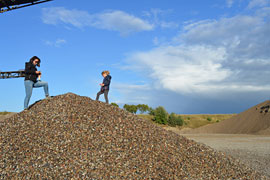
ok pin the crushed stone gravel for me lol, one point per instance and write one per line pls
(74, 137)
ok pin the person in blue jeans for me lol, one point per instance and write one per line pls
(31, 79)
(105, 86)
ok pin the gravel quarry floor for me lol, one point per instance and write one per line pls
(253, 150)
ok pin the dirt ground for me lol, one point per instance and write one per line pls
(252, 150)
(2, 117)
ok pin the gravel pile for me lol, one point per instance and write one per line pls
(255, 120)
(70, 136)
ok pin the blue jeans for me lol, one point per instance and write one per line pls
(29, 85)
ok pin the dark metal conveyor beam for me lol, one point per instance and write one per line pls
(12, 74)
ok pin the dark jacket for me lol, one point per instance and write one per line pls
(106, 82)
(30, 72)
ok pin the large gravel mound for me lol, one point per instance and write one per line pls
(70, 136)
(255, 120)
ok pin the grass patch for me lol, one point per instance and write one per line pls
(4, 113)
(146, 116)
(196, 120)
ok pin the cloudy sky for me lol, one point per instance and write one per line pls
(188, 56)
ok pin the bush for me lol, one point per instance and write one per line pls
(151, 111)
(143, 108)
(161, 115)
(175, 120)
(131, 108)
(209, 119)
(217, 121)
(114, 104)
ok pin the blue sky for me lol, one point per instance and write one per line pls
(188, 56)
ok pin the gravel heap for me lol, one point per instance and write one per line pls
(265, 108)
(255, 120)
(70, 136)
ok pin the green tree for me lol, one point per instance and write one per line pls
(131, 108)
(175, 120)
(114, 104)
(151, 111)
(161, 115)
(143, 108)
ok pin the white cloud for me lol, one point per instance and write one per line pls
(128, 92)
(121, 21)
(258, 3)
(164, 24)
(156, 16)
(56, 43)
(184, 69)
(128, 87)
(109, 20)
(230, 3)
(212, 56)
(58, 15)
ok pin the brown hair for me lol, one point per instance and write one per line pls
(34, 58)
(105, 72)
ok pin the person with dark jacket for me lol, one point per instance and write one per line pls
(31, 79)
(105, 86)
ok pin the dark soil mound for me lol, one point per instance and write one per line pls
(255, 120)
(70, 136)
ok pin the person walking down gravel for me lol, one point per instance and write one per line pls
(105, 86)
(31, 79)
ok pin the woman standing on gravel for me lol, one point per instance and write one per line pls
(105, 86)
(31, 79)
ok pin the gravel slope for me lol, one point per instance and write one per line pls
(255, 120)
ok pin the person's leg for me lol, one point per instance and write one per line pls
(44, 85)
(106, 92)
(28, 91)
(98, 94)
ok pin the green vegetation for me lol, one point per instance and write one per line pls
(131, 108)
(158, 115)
(161, 115)
(195, 120)
(143, 108)
(114, 104)
(4, 113)
(175, 120)
(198, 120)
(151, 111)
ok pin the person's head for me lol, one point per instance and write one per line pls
(105, 73)
(35, 60)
